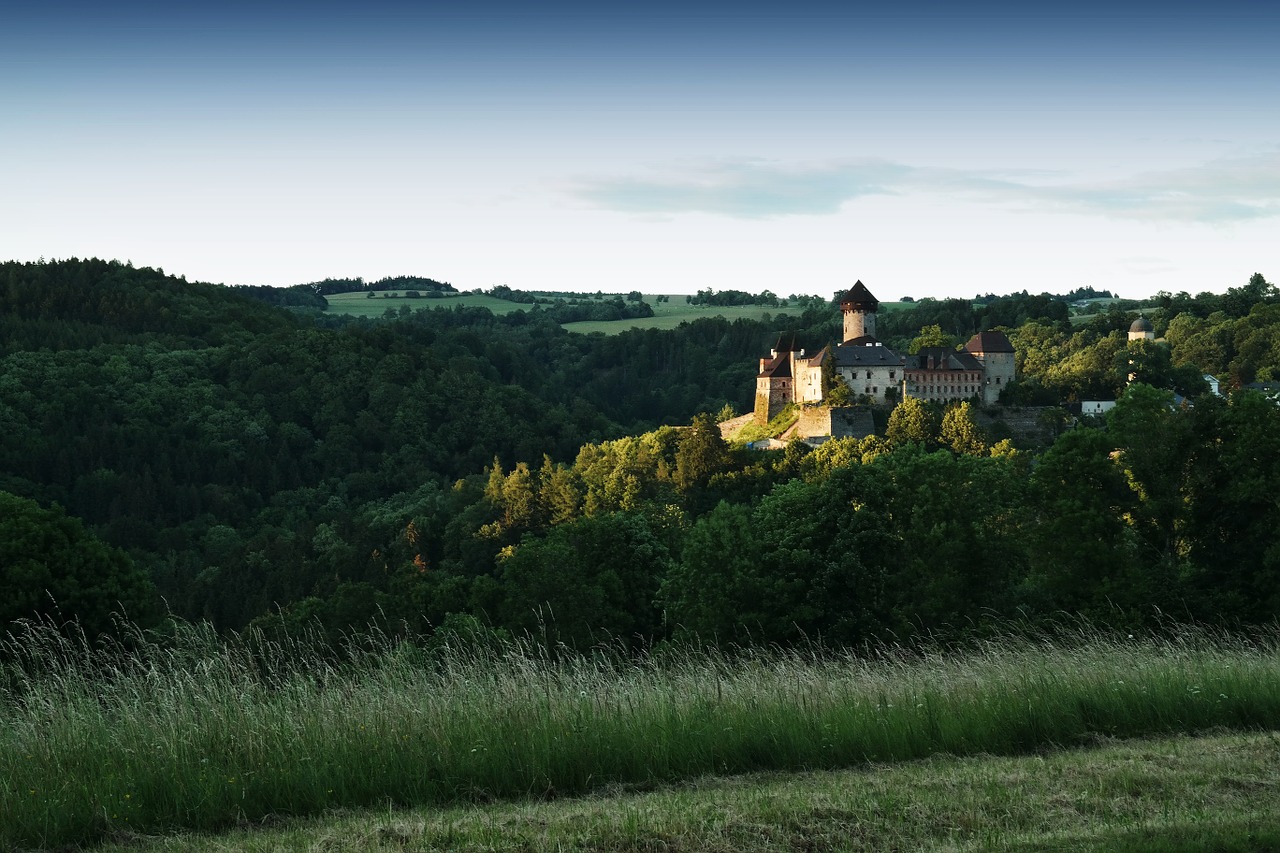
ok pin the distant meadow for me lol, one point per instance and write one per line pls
(668, 314)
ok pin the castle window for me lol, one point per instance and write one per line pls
(868, 374)
(890, 374)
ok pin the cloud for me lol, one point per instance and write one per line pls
(1229, 190)
(1221, 191)
(748, 190)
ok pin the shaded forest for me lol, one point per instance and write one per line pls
(170, 444)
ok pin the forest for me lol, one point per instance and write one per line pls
(173, 447)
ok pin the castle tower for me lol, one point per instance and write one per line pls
(995, 353)
(859, 309)
(775, 383)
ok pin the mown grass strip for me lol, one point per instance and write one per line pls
(1213, 793)
(199, 733)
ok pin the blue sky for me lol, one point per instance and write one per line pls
(928, 149)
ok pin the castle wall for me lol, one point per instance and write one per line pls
(773, 394)
(944, 384)
(814, 421)
(808, 387)
(998, 369)
(1030, 426)
(882, 383)
(824, 421)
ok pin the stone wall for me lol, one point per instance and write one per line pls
(814, 420)
(730, 428)
(844, 422)
(1030, 426)
(852, 422)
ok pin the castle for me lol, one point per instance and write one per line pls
(876, 373)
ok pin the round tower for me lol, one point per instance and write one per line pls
(1142, 330)
(859, 309)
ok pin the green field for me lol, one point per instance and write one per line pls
(667, 315)
(1080, 319)
(360, 305)
(201, 734)
(1212, 793)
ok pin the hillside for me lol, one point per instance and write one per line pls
(287, 469)
(244, 455)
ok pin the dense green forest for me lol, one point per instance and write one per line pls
(170, 444)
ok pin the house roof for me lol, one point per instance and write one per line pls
(942, 359)
(778, 367)
(865, 351)
(989, 341)
(858, 298)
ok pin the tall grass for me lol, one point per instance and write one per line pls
(199, 732)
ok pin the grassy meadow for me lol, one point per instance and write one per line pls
(670, 314)
(1209, 793)
(199, 734)
(359, 305)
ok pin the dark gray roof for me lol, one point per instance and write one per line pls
(943, 359)
(859, 297)
(865, 351)
(1142, 324)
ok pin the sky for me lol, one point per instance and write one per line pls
(927, 149)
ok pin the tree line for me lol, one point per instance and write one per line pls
(331, 286)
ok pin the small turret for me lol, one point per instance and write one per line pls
(1142, 330)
